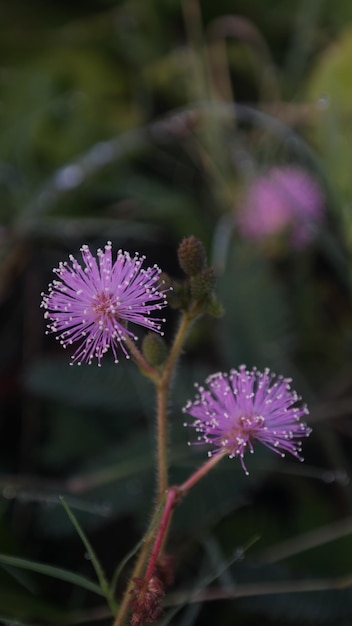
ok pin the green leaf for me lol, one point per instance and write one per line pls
(104, 585)
(54, 572)
(330, 89)
(257, 326)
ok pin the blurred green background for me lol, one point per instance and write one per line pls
(143, 122)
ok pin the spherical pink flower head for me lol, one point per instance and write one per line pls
(283, 200)
(242, 406)
(93, 304)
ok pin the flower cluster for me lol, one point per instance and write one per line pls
(93, 304)
(283, 200)
(247, 405)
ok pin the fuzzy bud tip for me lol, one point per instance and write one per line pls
(191, 256)
(202, 284)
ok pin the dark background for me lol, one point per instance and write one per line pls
(121, 120)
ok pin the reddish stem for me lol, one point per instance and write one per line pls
(172, 497)
(170, 503)
(200, 472)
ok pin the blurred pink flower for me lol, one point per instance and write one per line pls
(284, 200)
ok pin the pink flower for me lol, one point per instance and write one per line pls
(94, 303)
(243, 406)
(285, 199)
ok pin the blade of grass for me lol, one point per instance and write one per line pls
(103, 582)
(50, 570)
(123, 563)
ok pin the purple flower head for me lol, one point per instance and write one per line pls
(284, 200)
(93, 304)
(245, 405)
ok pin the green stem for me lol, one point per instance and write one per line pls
(186, 320)
(145, 367)
(162, 443)
(163, 389)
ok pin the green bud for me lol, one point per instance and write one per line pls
(202, 284)
(192, 256)
(154, 349)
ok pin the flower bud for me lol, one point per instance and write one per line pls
(202, 284)
(154, 349)
(191, 256)
(146, 603)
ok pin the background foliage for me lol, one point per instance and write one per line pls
(134, 121)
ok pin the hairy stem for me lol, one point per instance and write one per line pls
(162, 383)
(200, 472)
(162, 440)
(146, 368)
(173, 496)
(162, 390)
(138, 568)
(171, 500)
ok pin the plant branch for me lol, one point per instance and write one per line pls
(138, 568)
(200, 472)
(146, 368)
(162, 383)
(162, 390)
(171, 501)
